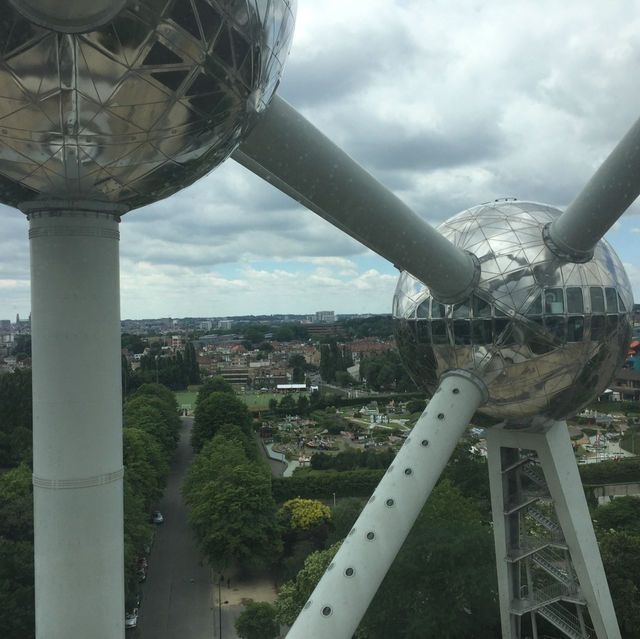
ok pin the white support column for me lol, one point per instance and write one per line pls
(77, 420)
(506, 586)
(550, 439)
(346, 589)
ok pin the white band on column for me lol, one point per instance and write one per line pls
(81, 482)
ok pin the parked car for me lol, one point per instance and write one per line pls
(142, 575)
(131, 619)
(156, 517)
(142, 562)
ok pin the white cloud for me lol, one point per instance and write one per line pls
(448, 104)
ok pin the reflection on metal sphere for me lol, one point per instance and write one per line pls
(140, 107)
(556, 331)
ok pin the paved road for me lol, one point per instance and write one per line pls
(178, 596)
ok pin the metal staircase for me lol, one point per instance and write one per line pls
(537, 553)
(563, 620)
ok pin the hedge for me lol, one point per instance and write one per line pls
(350, 483)
(611, 472)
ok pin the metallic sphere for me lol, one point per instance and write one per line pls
(139, 107)
(545, 335)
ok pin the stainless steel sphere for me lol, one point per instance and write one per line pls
(546, 336)
(136, 108)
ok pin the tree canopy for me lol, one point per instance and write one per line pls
(294, 594)
(218, 408)
(233, 514)
(16, 417)
(257, 621)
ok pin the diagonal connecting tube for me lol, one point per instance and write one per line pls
(607, 195)
(346, 589)
(288, 151)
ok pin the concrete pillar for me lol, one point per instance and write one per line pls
(77, 420)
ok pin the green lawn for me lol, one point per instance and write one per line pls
(251, 399)
(186, 399)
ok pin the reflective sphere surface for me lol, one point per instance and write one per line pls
(140, 107)
(554, 333)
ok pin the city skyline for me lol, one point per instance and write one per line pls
(449, 108)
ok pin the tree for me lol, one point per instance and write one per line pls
(192, 369)
(22, 347)
(215, 410)
(17, 600)
(233, 514)
(302, 514)
(16, 504)
(294, 594)
(343, 516)
(447, 564)
(621, 559)
(151, 415)
(233, 518)
(622, 515)
(217, 384)
(257, 621)
(145, 463)
(133, 343)
(16, 417)
(283, 334)
(287, 405)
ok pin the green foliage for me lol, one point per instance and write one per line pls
(233, 514)
(152, 415)
(22, 347)
(351, 483)
(380, 326)
(216, 409)
(416, 406)
(287, 405)
(16, 418)
(301, 514)
(217, 384)
(334, 358)
(620, 553)
(384, 371)
(343, 516)
(16, 504)
(622, 515)
(175, 371)
(145, 464)
(133, 343)
(138, 533)
(257, 621)
(467, 471)
(17, 605)
(447, 564)
(611, 472)
(352, 459)
(294, 594)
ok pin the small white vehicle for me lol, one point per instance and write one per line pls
(131, 619)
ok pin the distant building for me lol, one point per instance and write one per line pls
(325, 317)
(321, 330)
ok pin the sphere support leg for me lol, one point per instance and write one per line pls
(77, 421)
(547, 558)
(346, 589)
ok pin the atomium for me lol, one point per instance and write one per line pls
(139, 107)
(555, 331)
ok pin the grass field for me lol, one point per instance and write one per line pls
(186, 399)
(255, 400)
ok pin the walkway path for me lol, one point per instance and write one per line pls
(180, 596)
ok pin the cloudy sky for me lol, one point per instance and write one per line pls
(449, 104)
